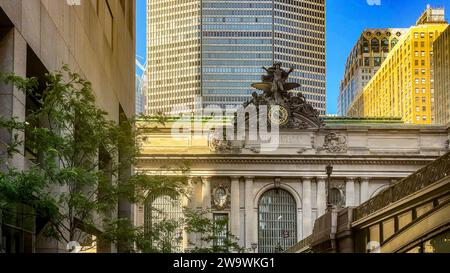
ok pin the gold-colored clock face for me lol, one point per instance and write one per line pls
(278, 115)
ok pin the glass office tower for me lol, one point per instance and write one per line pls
(214, 50)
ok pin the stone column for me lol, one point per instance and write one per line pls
(250, 225)
(206, 202)
(307, 209)
(235, 207)
(350, 192)
(321, 196)
(189, 202)
(185, 203)
(364, 188)
(206, 192)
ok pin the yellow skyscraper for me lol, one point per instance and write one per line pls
(404, 85)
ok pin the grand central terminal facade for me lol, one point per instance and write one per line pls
(272, 198)
(272, 192)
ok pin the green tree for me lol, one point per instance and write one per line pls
(74, 181)
(80, 169)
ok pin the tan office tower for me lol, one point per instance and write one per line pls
(404, 85)
(364, 61)
(442, 77)
(213, 50)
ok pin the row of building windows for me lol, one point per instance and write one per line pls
(301, 7)
(169, 37)
(234, 98)
(240, 27)
(236, 34)
(179, 59)
(230, 77)
(233, 5)
(258, 70)
(308, 64)
(246, 62)
(259, 19)
(299, 10)
(252, 48)
(422, 35)
(228, 91)
(422, 44)
(298, 31)
(300, 46)
(319, 42)
(237, 12)
(300, 53)
(245, 56)
(313, 20)
(299, 24)
(221, 41)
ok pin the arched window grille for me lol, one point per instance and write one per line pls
(277, 228)
(166, 207)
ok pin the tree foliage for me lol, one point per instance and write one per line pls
(77, 157)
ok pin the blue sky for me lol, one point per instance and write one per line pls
(346, 19)
(141, 29)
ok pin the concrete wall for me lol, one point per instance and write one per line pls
(77, 36)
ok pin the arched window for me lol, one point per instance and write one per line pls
(337, 197)
(365, 45)
(393, 43)
(385, 45)
(277, 217)
(375, 43)
(164, 208)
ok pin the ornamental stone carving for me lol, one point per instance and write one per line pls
(334, 143)
(221, 199)
(218, 144)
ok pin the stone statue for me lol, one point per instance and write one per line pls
(280, 76)
(274, 83)
(294, 111)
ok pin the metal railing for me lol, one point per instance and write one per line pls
(430, 174)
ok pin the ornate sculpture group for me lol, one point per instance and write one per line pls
(294, 111)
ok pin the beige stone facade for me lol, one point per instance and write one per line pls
(367, 157)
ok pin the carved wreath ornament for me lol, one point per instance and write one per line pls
(221, 197)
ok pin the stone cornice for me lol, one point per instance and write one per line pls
(267, 159)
